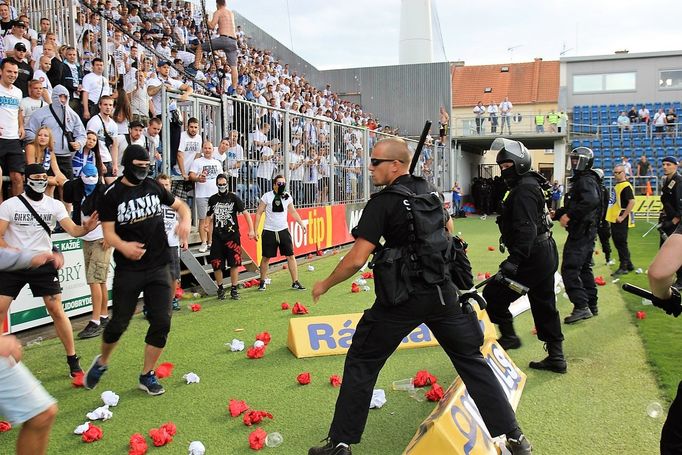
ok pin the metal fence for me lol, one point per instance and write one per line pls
(62, 15)
(324, 162)
(517, 123)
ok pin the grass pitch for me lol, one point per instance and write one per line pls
(599, 407)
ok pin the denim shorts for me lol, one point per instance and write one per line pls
(22, 397)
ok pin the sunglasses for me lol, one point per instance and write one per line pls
(377, 161)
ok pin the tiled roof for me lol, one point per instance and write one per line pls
(524, 83)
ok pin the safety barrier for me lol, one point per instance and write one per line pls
(517, 122)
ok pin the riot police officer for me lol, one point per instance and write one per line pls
(671, 198)
(580, 216)
(404, 301)
(533, 257)
(604, 228)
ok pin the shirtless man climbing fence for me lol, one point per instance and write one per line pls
(226, 42)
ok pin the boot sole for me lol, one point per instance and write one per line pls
(543, 368)
(578, 320)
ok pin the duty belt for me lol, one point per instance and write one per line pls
(542, 237)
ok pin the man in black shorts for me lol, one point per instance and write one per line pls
(226, 42)
(223, 210)
(20, 229)
(133, 223)
(12, 158)
(276, 204)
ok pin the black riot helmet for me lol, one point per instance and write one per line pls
(580, 159)
(514, 152)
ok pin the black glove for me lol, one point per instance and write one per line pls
(465, 298)
(509, 268)
(672, 306)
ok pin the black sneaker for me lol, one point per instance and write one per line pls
(221, 293)
(330, 448)
(620, 271)
(103, 322)
(262, 285)
(150, 384)
(74, 365)
(519, 446)
(594, 309)
(90, 331)
(94, 373)
(234, 294)
(297, 285)
(578, 314)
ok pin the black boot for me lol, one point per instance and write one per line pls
(508, 340)
(555, 361)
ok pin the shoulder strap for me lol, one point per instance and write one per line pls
(59, 122)
(104, 127)
(35, 215)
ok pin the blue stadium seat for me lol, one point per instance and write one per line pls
(597, 163)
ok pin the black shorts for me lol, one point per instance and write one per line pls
(65, 165)
(272, 240)
(43, 281)
(12, 157)
(225, 253)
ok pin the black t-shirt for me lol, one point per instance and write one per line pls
(644, 167)
(225, 209)
(25, 74)
(6, 28)
(626, 195)
(138, 216)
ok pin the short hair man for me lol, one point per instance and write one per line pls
(12, 122)
(203, 173)
(620, 215)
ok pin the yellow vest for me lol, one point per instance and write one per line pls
(614, 209)
(539, 119)
(553, 118)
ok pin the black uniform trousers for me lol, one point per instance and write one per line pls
(671, 435)
(620, 240)
(576, 269)
(604, 233)
(378, 334)
(536, 273)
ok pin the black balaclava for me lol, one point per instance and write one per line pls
(135, 174)
(35, 188)
(509, 176)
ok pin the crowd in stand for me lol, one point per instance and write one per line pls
(96, 117)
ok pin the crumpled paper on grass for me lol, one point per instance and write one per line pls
(435, 393)
(164, 370)
(235, 345)
(191, 378)
(92, 434)
(299, 308)
(303, 378)
(252, 417)
(101, 413)
(110, 398)
(424, 378)
(378, 399)
(196, 448)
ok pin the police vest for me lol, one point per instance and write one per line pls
(539, 119)
(615, 209)
(553, 118)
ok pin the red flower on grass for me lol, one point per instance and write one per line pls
(170, 428)
(285, 306)
(195, 307)
(299, 308)
(354, 288)
(435, 394)
(303, 378)
(138, 445)
(335, 380)
(257, 439)
(93, 433)
(600, 281)
(368, 275)
(255, 352)
(264, 337)
(236, 407)
(160, 436)
(164, 370)
(253, 417)
(424, 378)
(5, 426)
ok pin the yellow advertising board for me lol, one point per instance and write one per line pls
(647, 206)
(317, 336)
(455, 426)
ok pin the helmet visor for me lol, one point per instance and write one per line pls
(513, 147)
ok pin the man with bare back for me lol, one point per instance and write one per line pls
(226, 42)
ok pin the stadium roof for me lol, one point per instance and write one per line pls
(523, 83)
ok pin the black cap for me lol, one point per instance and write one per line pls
(164, 62)
(20, 47)
(18, 23)
(670, 159)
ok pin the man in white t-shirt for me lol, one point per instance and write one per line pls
(11, 126)
(41, 75)
(107, 131)
(20, 229)
(17, 36)
(276, 205)
(505, 115)
(220, 152)
(189, 148)
(33, 101)
(163, 79)
(204, 172)
(95, 86)
(234, 160)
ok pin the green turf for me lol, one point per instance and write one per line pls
(597, 408)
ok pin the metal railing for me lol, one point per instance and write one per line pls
(627, 133)
(324, 162)
(62, 15)
(516, 122)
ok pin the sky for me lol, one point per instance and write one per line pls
(358, 33)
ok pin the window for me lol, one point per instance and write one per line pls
(670, 79)
(488, 90)
(611, 82)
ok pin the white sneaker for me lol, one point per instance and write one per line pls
(203, 248)
(611, 262)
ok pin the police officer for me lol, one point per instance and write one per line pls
(580, 216)
(604, 228)
(397, 310)
(661, 273)
(671, 199)
(533, 257)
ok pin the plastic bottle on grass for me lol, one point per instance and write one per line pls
(654, 410)
(274, 439)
